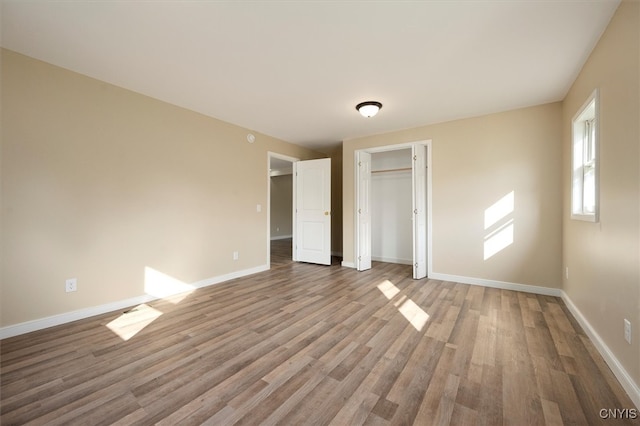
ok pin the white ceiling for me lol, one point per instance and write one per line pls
(296, 69)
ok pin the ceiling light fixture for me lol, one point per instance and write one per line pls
(369, 109)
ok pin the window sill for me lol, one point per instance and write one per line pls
(585, 217)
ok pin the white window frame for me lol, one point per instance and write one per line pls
(585, 153)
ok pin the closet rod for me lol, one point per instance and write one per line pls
(391, 170)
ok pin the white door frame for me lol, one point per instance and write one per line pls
(409, 145)
(419, 205)
(363, 210)
(271, 155)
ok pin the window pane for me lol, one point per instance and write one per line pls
(592, 140)
(589, 141)
(584, 185)
(589, 190)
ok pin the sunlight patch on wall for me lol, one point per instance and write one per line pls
(498, 239)
(164, 286)
(416, 316)
(499, 224)
(133, 321)
(499, 210)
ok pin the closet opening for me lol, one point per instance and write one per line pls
(392, 199)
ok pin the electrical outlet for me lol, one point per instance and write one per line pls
(627, 331)
(71, 285)
(235, 255)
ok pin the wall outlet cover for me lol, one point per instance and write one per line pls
(627, 331)
(71, 285)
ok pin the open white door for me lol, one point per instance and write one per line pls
(419, 211)
(312, 215)
(363, 210)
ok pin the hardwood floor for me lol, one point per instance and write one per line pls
(307, 344)
(281, 252)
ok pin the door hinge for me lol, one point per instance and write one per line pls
(415, 211)
(359, 163)
(415, 158)
(359, 211)
(360, 258)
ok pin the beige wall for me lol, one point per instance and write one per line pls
(281, 206)
(604, 258)
(99, 182)
(476, 162)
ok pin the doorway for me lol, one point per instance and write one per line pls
(280, 210)
(393, 206)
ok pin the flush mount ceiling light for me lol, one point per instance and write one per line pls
(369, 108)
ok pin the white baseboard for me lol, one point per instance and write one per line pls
(627, 382)
(377, 259)
(392, 260)
(281, 237)
(42, 323)
(504, 285)
(52, 321)
(230, 276)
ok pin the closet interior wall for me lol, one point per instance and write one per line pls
(391, 201)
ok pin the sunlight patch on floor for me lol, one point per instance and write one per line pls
(416, 316)
(133, 321)
(388, 289)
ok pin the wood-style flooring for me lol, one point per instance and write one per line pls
(306, 344)
(281, 252)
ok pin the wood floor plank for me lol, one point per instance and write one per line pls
(408, 391)
(565, 396)
(356, 409)
(522, 403)
(308, 344)
(464, 416)
(430, 407)
(317, 384)
(490, 408)
(551, 413)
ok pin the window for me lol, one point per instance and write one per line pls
(584, 150)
